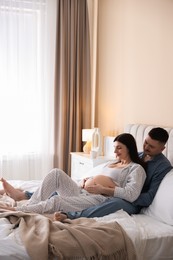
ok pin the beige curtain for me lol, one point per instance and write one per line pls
(93, 25)
(72, 80)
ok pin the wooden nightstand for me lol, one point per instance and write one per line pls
(81, 163)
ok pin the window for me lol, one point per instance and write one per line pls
(26, 83)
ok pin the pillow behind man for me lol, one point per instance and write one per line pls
(162, 205)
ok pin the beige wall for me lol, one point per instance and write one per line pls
(135, 64)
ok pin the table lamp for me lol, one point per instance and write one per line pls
(87, 137)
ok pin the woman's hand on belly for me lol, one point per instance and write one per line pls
(100, 184)
(94, 189)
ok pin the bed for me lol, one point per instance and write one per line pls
(151, 231)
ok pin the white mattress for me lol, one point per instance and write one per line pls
(152, 239)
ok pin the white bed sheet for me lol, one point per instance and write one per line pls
(152, 239)
(157, 237)
(11, 247)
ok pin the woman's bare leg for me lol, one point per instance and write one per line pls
(16, 194)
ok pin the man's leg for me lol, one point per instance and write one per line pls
(109, 206)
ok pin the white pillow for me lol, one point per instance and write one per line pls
(162, 205)
(95, 170)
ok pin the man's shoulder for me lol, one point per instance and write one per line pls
(160, 164)
(161, 158)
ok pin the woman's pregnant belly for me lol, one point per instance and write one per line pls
(102, 180)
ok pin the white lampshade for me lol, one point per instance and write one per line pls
(87, 135)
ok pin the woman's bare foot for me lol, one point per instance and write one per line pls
(15, 194)
(59, 216)
(2, 192)
(7, 208)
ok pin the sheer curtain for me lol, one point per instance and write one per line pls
(26, 88)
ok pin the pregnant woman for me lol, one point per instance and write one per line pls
(123, 178)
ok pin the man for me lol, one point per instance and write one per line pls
(157, 167)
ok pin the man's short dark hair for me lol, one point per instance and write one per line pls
(159, 134)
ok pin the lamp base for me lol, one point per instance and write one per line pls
(87, 147)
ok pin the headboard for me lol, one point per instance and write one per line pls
(140, 131)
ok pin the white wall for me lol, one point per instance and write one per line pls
(135, 64)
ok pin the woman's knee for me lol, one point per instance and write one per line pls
(56, 171)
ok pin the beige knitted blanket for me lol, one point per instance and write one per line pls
(77, 239)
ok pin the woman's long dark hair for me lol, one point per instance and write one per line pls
(129, 141)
